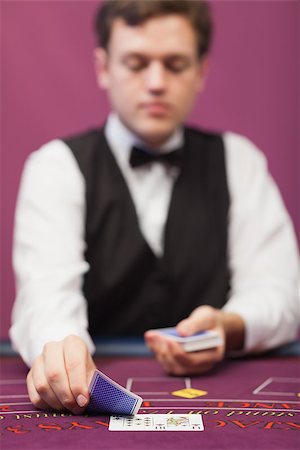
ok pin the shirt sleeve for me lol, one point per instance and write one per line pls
(262, 249)
(48, 252)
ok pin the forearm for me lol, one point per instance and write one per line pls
(33, 327)
(263, 256)
(271, 317)
(48, 253)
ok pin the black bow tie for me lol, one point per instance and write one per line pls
(140, 157)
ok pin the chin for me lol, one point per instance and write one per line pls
(155, 139)
(155, 135)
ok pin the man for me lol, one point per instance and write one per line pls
(110, 243)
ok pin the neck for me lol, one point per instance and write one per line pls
(165, 143)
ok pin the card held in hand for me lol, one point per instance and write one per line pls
(108, 397)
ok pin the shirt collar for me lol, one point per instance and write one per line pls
(121, 139)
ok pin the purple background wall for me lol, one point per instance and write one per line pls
(48, 90)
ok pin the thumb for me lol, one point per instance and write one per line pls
(202, 318)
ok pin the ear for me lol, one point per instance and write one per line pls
(203, 69)
(101, 67)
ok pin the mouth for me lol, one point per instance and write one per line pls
(156, 108)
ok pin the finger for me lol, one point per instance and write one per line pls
(168, 360)
(34, 396)
(159, 346)
(194, 362)
(79, 367)
(200, 359)
(172, 357)
(175, 360)
(57, 377)
(157, 343)
(202, 318)
(42, 386)
(167, 364)
(150, 340)
(154, 340)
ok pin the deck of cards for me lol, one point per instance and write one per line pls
(199, 341)
(108, 397)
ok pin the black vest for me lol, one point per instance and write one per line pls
(128, 288)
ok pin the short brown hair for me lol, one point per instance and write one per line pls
(135, 12)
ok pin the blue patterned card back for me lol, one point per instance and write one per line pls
(107, 396)
(171, 331)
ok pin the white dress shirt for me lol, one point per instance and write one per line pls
(49, 243)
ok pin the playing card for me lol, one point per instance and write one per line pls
(198, 341)
(107, 396)
(157, 422)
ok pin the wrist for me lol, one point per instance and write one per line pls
(234, 329)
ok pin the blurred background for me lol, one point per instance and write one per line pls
(48, 90)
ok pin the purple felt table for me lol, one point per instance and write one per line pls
(250, 404)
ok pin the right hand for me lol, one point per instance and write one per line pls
(60, 376)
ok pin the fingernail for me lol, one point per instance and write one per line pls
(81, 400)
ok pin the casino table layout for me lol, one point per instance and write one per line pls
(249, 403)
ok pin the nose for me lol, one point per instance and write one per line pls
(155, 77)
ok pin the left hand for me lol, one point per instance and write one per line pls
(175, 360)
(60, 376)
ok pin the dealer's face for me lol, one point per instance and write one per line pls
(152, 75)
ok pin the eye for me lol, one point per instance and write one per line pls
(177, 64)
(135, 63)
